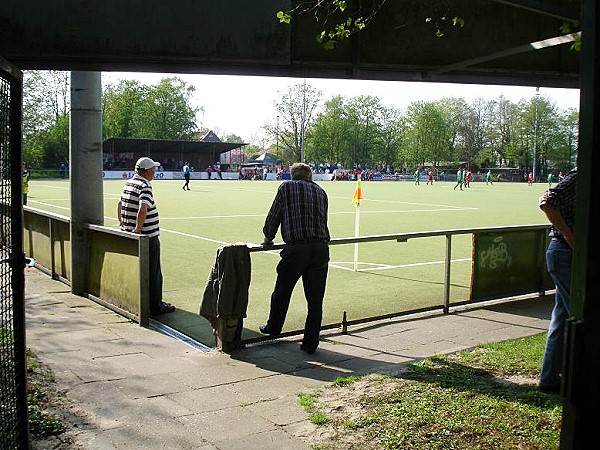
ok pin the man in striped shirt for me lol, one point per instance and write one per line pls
(300, 209)
(137, 213)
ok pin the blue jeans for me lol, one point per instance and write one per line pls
(558, 262)
(311, 262)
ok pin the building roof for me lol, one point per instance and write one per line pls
(150, 147)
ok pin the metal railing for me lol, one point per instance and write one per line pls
(533, 269)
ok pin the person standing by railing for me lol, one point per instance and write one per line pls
(558, 203)
(137, 213)
(300, 208)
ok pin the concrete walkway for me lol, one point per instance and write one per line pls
(137, 388)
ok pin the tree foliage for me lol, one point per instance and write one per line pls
(164, 111)
(355, 131)
(338, 20)
(296, 110)
(129, 109)
(447, 133)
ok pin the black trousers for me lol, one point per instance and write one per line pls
(310, 261)
(156, 277)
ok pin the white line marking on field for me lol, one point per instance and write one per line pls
(404, 211)
(399, 202)
(374, 266)
(232, 216)
(213, 217)
(53, 186)
(336, 265)
(48, 204)
(193, 236)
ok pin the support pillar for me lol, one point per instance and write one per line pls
(85, 156)
(581, 368)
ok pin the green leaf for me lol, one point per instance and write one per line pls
(321, 37)
(283, 17)
(329, 45)
(342, 5)
(458, 21)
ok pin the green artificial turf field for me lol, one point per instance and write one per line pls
(392, 277)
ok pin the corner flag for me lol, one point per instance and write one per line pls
(357, 197)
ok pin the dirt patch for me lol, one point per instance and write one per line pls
(344, 407)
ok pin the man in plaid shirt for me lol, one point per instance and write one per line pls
(300, 209)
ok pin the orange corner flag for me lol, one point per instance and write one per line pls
(357, 197)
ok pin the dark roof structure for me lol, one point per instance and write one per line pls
(207, 151)
(499, 41)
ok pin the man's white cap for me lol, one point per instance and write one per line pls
(144, 163)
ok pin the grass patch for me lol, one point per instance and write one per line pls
(345, 381)
(42, 397)
(479, 399)
(319, 418)
(308, 401)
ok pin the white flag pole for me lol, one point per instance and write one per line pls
(356, 234)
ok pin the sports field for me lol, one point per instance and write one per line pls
(391, 277)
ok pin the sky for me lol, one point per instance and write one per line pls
(242, 105)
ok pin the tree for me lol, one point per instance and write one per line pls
(570, 128)
(551, 139)
(387, 151)
(45, 98)
(459, 132)
(231, 137)
(329, 134)
(121, 108)
(49, 148)
(46, 108)
(296, 109)
(502, 120)
(164, 111)
(427, 136)
(364, 116)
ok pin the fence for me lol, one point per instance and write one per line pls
(117, 272)
(14, 432)
(505, 262)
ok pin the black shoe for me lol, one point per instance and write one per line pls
(264, 329)
(310, 351)
(164, 308)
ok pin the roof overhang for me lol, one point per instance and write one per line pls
(502, 42)
(153, 147)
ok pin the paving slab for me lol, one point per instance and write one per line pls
(138, 388)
